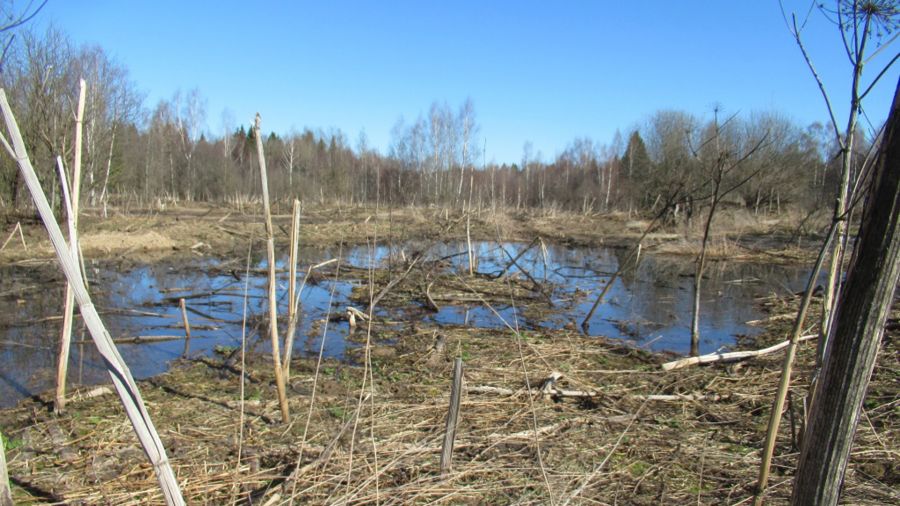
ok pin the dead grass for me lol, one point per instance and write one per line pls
(700, 443)
(151, 234)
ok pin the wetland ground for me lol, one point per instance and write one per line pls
(549, 414)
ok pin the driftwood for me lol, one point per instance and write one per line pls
(429, 300)
(733, 356)
(137, 339)
(90, 394)
(353, 314)
(553, 392)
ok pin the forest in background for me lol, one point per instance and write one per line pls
(141, 155)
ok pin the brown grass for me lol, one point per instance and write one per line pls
(512, 447)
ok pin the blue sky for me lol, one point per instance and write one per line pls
(539, 71)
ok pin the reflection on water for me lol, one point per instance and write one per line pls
(649, 306)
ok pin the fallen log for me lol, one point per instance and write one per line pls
(733, 356)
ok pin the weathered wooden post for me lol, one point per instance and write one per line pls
(452, 417)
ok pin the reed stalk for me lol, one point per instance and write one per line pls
(270, 250)
(292, 292)
(187, 328)
(121, 376)
(72, 219)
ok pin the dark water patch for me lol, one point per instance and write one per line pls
(649, 306)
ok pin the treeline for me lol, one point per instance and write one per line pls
(163, 153)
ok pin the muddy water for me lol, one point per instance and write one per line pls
(649, 307)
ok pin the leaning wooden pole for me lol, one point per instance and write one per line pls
(72, 211)
(118, 370)
(863, 308)
(270, 250)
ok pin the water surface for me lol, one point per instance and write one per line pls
(649, 306)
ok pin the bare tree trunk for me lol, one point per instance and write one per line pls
(104, 193)
(863, 307)
(698, 275)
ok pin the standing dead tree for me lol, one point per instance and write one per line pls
(864, 306)
(721, 164)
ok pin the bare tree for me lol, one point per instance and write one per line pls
(719, 158)
(11, 19)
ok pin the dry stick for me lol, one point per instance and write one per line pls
(785, 382)
(469, 250)
(72, 219)
(537, 284)
(371, 394)
(12, 233)
(733, 356)
(392, 283)
(429, 301)
(138, 339)
(187, 328)
(622, 266)
(292, 324)
(243, 356)
(292, 296)
(270, 250)
(517, 257)
(118, 370)
(452, 417)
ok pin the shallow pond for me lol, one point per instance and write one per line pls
(649, 306)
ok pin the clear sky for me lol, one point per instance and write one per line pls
(539, 71)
